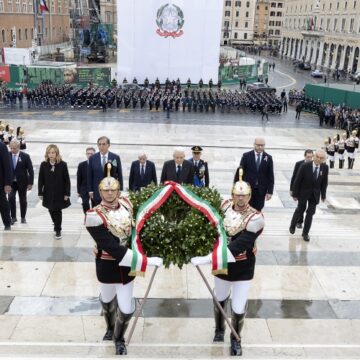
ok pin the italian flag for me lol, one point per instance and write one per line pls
(219, 254)
(43, 6)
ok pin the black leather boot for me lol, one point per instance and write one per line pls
(340, 164)
(237, 321)
(121, 324)
(352, 163)
(349, 163)
(220, 321)
(331, 164)
(109, 313)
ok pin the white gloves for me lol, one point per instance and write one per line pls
(155, 261)
(203, 260)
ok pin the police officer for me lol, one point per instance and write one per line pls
(201, 175)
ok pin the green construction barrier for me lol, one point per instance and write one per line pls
(335, 94)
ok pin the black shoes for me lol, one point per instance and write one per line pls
(58, 235)
(7, 228)
(299, 225)
(23, 220)
(306, 237)
(13, 221)
(292, 229)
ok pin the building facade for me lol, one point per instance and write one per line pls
(268, 25)
(238, 22)
(324, 33)
(21, 25)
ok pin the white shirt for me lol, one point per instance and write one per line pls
(141, 165)
(256, 155)
(102, 156)
(16, 157)
(318, 169)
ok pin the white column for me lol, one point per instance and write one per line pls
(351, 58)
(333, 65)
(321, 54)
(300, 51)
(342, 59)
(308, 52)
(293, 49)
(327, 58)
(313, 59)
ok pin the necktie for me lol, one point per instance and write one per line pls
(316, 172)
(258, 162)
(14, 161)
(103, 161)
(178, 171)
(142, 171)
(196, 163)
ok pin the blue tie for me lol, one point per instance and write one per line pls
(142, 171)
(14, 161)
(257, 162)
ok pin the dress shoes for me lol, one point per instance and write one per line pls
(7, 228)
(292, 229)
(306, 237)
(299, 225)
(23, 220)
(13, 221)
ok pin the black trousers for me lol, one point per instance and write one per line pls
(257, 200)
(310, 206)
(22, 200)
(56, 217)
(86, 202)
(4, 207)
(95, 202)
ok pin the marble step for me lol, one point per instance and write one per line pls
(29, 351)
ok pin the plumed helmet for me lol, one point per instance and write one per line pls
(108, 182)
(354, 133)
(241, 187)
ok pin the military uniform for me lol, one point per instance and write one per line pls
(340, 148)
(201, 174)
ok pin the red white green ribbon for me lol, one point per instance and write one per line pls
(219, 254)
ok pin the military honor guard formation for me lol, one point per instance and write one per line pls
(109, 216)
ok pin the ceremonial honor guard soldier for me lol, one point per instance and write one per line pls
(201, 174)
(243, 225)
(340, 148)
(110, 224)
(352, 143)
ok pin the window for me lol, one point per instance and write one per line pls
(238, 3)
(328, 25)
(245, 36)
(337, 6)
(345, 6)
(246, 24)
(226, 24)
(227, 13)
(24, 6)
(335, 25)
(1, 5)
(351, 28)
(227, 3)
(3, 36)
(108, 17)
(226, 35)
(19, 34)
(248, 4)
(343, 24)
(272, 13)
(30, 7)
(18, 6)
(279, 13)
(280, 5)
(271, 32)
(52, 3)
(330, 6)
(236, 35)
(354, 4)
(247, 14)
(10, 6)
(237, 13)
(26, 34)
(273, 5)
(277, 32)
(236, 24)
(59, 7)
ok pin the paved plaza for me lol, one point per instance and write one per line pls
(305, 298)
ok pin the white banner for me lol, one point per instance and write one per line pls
(168, 39)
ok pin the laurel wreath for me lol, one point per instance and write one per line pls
(176, 232)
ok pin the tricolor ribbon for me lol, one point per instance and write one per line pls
(219, 254)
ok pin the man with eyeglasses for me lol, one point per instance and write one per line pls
(310, 184)
(96, 169)
(259, 173)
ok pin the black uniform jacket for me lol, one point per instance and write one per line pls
(108, 252)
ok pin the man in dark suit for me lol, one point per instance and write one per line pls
(142, 173)
(5, 185)
(310, 183)
(308, 156)
(81, 176)
(201, 176)
(22, 180)
(96, 169)
(259, 173)
(179, 169)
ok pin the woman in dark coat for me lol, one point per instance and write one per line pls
(54, 186)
